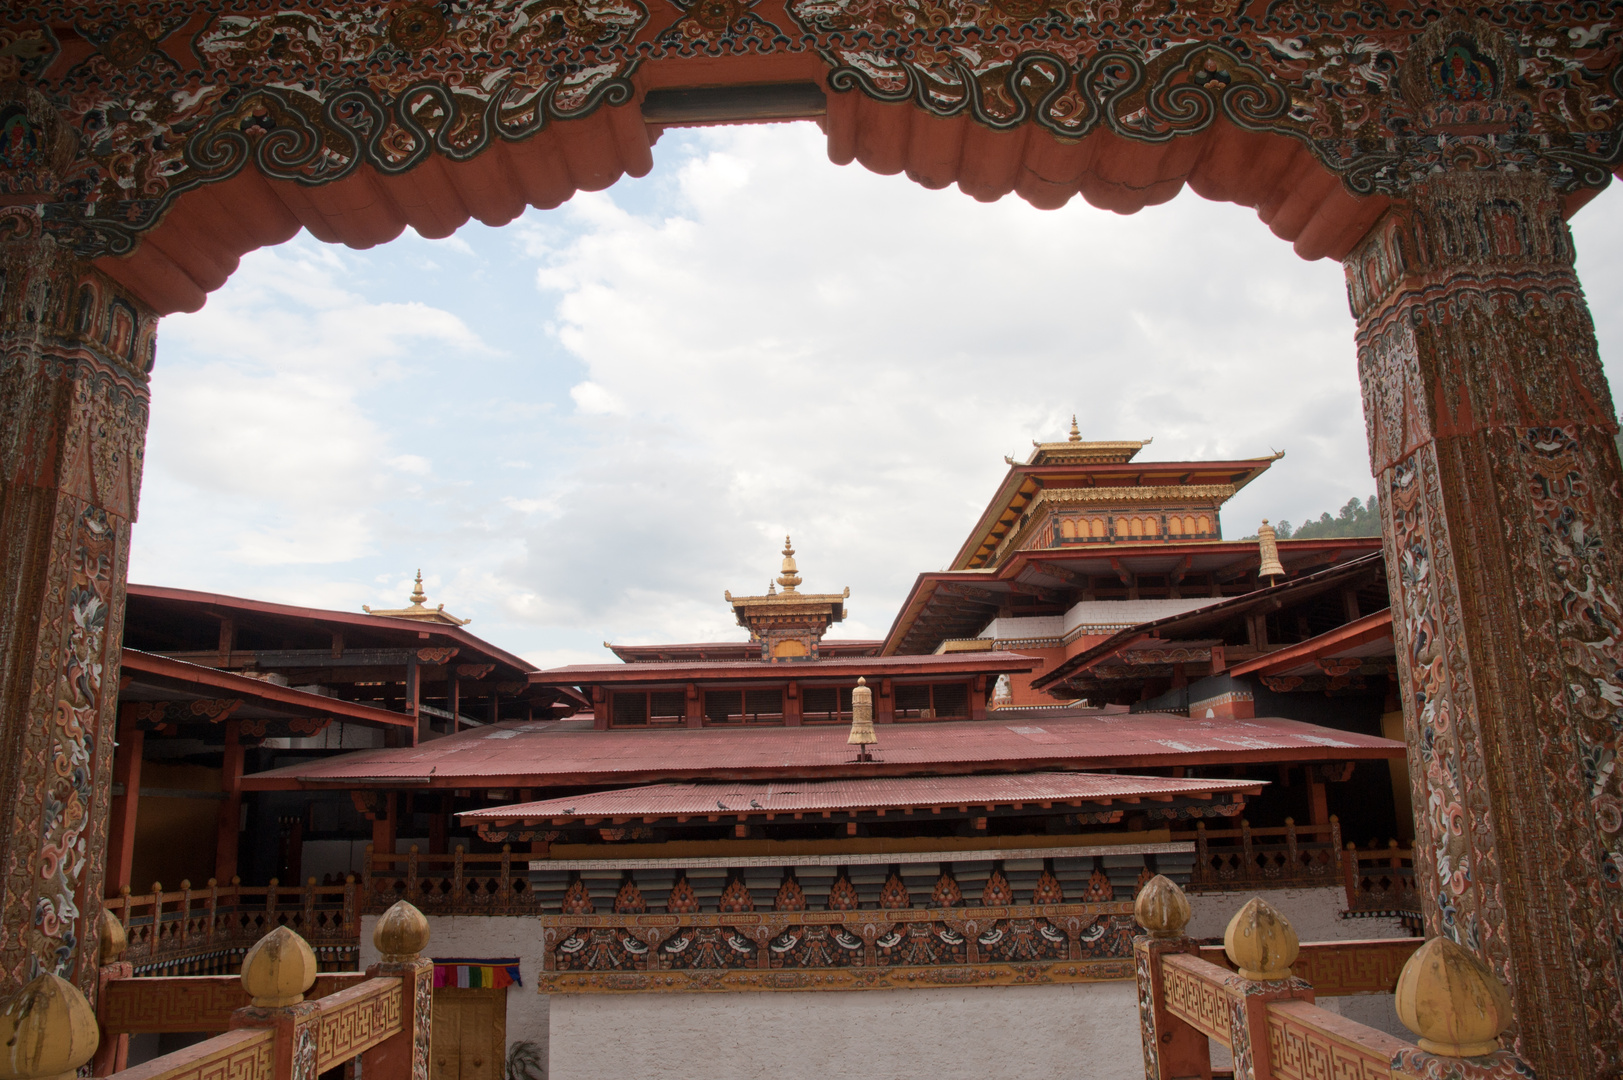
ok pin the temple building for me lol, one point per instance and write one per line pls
(705, 822)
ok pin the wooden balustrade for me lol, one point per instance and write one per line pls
(1265, 1014)
(285, 1021)
(1252, 858)
(1377, 881)
(208, 931)
(1381, 881)
(453, 884)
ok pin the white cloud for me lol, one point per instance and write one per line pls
(591, 398)
(747, 343)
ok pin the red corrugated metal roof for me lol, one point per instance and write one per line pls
(167, 671)
(847, 667)
(794, 796)
(569, 752)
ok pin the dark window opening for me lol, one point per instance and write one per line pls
(825, 704)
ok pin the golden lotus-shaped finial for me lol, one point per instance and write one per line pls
(113, 938)
(1451, 1000)
(1161, 908)
(401, 934)
(47, 1030)
(278, 969)
(1261, 942)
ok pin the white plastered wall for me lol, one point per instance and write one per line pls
(1007, 1033)
(1021, 1033)
(488, 937)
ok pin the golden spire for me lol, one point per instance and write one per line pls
(1268, 550)
(862, 734)
(419, 609)
(1076, 432)
(789, 578)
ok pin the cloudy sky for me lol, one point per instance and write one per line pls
(586, 425)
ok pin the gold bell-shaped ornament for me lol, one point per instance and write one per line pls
(1268, 568)
(862, 735)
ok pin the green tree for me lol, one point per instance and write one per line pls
(1355, 519)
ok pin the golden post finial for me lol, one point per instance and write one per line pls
(401, 934)
(47, 1030)
(862, 734)
(278, 969)
(1261, 942)
(1076, 432)
(113, 938)
(1451, 1000)
(418, 596)
(1161, 908)
(1268, 549)
(790, 577)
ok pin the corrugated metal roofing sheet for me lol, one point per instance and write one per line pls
(830, 667)
(559, 752)
(797, 796)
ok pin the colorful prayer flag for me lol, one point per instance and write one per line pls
(476, 974)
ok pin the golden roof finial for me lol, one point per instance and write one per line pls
(1076, 432)
(862, 734)
(1268, 566)
(418, 608)
(789, 578)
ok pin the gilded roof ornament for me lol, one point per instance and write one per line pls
(419, 609)
(1076, 432)
(790, 576)
(1269, 566)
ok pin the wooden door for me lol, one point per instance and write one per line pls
(469, 1034)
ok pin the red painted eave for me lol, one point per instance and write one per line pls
(1363, 631)
(570, 753)
(843, 667)
(225, 683)
(343, 618)
(741, 800)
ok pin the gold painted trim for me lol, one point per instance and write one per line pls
(1058, 972)
(1147, 495)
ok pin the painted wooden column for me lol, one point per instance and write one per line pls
(125, 804)
(73, 414)
(1491, 438)
(228, 823)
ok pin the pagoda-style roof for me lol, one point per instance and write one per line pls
(1193, 629)
(789, 625)
(419, 611)
(185, 623)
(742, 801)
(1096, 475)
(846, 668)
(560, 753)
(691, 652)
(957, 604)
(176, 696)
(1076, 451)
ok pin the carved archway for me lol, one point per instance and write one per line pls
(1436, 155)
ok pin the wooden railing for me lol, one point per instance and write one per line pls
(1381, 881)
(454, 884)
(278, 1021)
(1262, 1009)
(207, 931)
(1377, 881)
(1247, 858)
